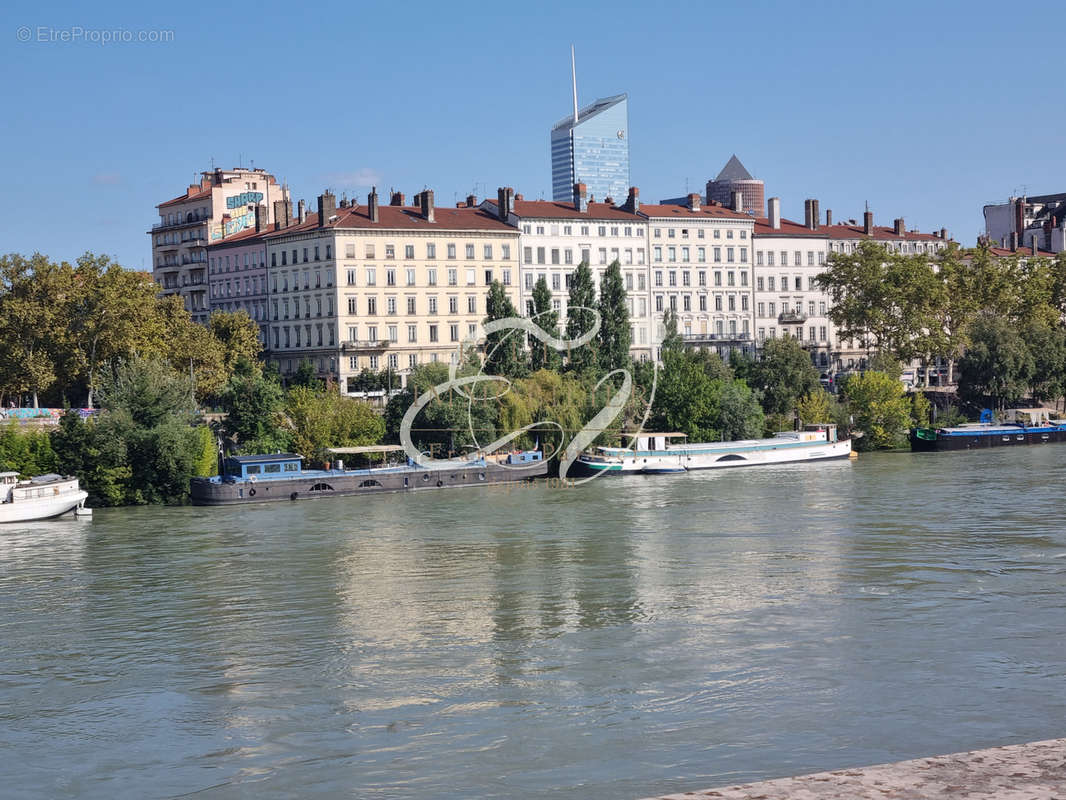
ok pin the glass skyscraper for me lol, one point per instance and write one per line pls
(593, 151)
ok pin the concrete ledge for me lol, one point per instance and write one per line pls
(1033, 771)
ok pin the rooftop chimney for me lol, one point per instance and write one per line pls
(899, 227)
(868, 223)
(425, 201)
(580, 201)
(737, 201)
(504, 202)
(694, 202)
(814, 215)
(774, 209)
(1036, 248)
(471, 201)
(327, 207)
(301, 211)
(943, 233)
(1019, 215)
(260, 218)
(372, 204)
(807, 209)
(828, 217)
(1014, 241)
(633, 200)
(397, 199)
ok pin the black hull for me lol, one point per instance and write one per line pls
(1018, 438)
(344, 484)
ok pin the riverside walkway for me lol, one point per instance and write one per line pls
(1033, 771)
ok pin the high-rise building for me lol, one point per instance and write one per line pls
(592, 147)
(735, 177)
(223, 203)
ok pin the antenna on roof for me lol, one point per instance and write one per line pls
(867, 205)
(573, 76)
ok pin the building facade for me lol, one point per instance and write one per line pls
(554, 237)
(701, 269)
(237, 274)
(1025, 221)
(376, 287)
(221, 204)
(592, 149)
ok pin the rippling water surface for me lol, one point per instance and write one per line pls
(631, 637)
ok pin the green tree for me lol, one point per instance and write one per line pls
(614, 336)
(252, 401)
(997, 368)
(542, 356)
(238, 335)
(100, 460)
(880, 408)
(580, 319)
(505, 352)
(783, 374)
(814, 407)
(740, 415)
(1047, 346)
(672, 341)
(306, 376)
(324, 419)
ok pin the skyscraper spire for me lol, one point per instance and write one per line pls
(573, 76)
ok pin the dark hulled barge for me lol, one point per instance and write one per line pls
(1023, 426)
(263, 478)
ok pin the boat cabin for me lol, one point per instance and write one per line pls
(652, 441)
(1032, 417)
(275, 465)
(8, 481)
(830, 431)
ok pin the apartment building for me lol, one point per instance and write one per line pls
(383, 286)
(223, 203)
(554, 237)
(237, 273)
(701, 269)
(1025, 222)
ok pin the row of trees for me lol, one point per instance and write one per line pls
(64, 326)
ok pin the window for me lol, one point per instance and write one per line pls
(717, 254)
(718, 302)
(431, 276)
(390, 251)
(540, 255)
(371, 306)
(703, 302)
(729, 255)
(488, 277)
(717, 277)
(658, 277)
(507, 277)
(390, 305)
(657, 254)
(412, 333)
(470, 251)
(505, 253)
(390, 277)
(453, 305)
(453, 332)
(488, 252)
(555, 282)
(673, 277)
(471, 304)
(433, 333)
(371, 276)
(453, 277)
(451, 252)
(431, 250)
(433, 305)
(353, 306)
(411, 306)
(555, 255)
(408, 251)
(410, 276)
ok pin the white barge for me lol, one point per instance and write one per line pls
(663, 453)
(42, 497)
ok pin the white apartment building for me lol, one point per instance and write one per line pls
(375, 287)
(1022, 222)
(701, 268)
(554, 237)
(223, 203)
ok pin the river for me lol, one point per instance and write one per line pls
(633, 636)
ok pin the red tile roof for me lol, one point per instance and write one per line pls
(184, 197)
(674, 211)
(879, 232)
(788, 228)
(551, 209)
(1021, 251)
(243, 237)
(404, 218)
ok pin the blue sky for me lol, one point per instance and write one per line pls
(925, 110)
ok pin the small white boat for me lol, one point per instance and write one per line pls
(665, 453)
(42, 497)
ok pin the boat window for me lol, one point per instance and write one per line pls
(731, 457)
(292, 466)
(253, 469)
(272, 468)
(368, 483)
(321, 487)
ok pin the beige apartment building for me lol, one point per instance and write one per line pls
(356, 287)
(222, 204)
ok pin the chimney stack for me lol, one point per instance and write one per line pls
(944, 233)
(372, 204)
(694, 202)
(327, 207)
(504, 202)
(807, 209)
(1019, 216)
(738, 201)
(397, 199)
(868, 223)
(580, 200)
(260, 218)
(774, 208)
(814, 215)
(633, 200)
(828, 217)
(301, 211)
(1036, 248)
(471, 201)
(1014, 241)
(899, 228)
(425, 200)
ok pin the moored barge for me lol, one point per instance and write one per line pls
(263, 478)
(1023, 426)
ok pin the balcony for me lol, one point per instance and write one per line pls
(165, 226)
(791, 318)
(363, 346)
(696, 339)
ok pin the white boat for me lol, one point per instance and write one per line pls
(42, 497)
(662, 453)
